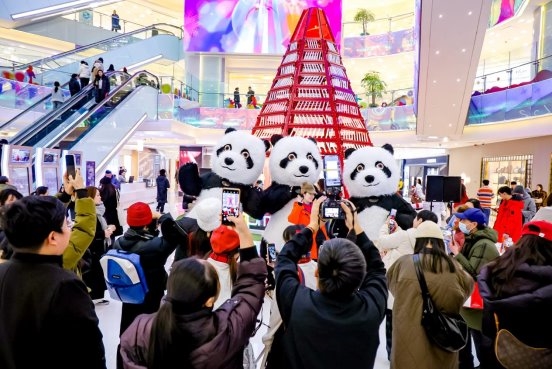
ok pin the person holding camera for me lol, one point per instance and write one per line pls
(301, 214)
(350, 303)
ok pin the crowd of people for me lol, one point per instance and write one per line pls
(332, 291)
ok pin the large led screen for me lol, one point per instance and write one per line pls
(249, 26)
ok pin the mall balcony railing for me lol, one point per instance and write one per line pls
(101, 20)
(520, 92)
(384, 36)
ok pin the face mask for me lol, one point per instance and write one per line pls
(463, 228)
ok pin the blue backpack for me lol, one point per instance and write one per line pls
(124, 276)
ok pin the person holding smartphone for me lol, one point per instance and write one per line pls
(301, 213)
(350, 302)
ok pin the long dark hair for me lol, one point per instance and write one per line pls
(529, 249)
(56, 86)
(434, 254)
(200, 244)
(191, 283)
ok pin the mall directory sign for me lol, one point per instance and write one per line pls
(249, 26)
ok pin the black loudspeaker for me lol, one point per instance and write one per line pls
(434, 188)
(452, 189)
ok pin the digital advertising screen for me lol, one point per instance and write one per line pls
(50, 178)
(20, 155)
(50, 158)
(191, 154)
(249, 26)
(19, 177)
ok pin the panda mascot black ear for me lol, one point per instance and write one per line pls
(267, 145)
(349, 151)
(312, 139)
(389, 148)
(228, 130)
(275, 138)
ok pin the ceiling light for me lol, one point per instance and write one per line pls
(432, 137)
(470, 12)
(445, 139)
(450, 124)
(144, 62)
(463, 50)
(457, 79)
(48, 9)
(437, 52)
(440, 15)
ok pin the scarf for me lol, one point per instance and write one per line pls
(100, 211)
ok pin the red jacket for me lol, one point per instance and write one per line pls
(301, 216)
(509, 219)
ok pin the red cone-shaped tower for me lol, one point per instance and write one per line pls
(311, 95)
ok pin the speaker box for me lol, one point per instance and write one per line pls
(452, 189)
(434, 188)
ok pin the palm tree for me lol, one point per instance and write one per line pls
(364, 16)
(373, 85)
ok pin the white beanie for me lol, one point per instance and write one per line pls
(208, 214)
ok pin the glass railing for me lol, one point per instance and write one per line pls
(74, 130)
(30, 131)
(378, 26)
(97, 19)
(88, 51)
(22, 95)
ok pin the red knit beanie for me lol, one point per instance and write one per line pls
(139, 215)
(224, 240)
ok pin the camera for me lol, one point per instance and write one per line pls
(331, 207)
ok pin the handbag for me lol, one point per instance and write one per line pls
(514, 354)
(447, 330)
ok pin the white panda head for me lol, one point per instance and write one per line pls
(239, 157)
(294, 160)
(370, 171)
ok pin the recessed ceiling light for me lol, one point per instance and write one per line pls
(440, 15)
(434, 81)
(432, 137)
(470, 12)
(463, 50)
(450, 124)
(437, 52)
(453, 105)
(457, 79)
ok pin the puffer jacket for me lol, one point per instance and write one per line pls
(224, 331)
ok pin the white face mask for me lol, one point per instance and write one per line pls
(463, 228)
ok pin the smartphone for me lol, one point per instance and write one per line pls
(70, 166)
(332, 171)
(230, 204)
(271, 248)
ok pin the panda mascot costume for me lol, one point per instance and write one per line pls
(238, 160)
(293, 160)
(371, 175)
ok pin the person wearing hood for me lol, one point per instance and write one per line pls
(529, 206)
(479, 249)
(84, 74)
(517, 291)
(93, 275)
(74, 84)
(187, 331)
(162, 189)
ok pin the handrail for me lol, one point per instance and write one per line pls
(100, 13)
(39, 102)
(92, 111)
(41, 123)
(399, 16)
(94, 44)
(534, 62)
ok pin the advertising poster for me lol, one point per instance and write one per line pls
(90, 173)
(249, 26)
(191, 154)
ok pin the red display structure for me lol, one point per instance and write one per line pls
(311, 95)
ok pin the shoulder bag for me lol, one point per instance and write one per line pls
(448, 331)
(514, 354)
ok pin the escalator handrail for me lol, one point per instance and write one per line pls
(94, 44)
(46, 119)
(54, 140)
(23, 112)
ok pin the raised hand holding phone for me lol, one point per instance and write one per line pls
(230, 204)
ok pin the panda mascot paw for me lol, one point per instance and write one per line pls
(237, 162)
(371, 175)
(189, 179)
(293, 161)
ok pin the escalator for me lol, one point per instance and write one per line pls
(100, 130)
(37, 113)
(149, 43)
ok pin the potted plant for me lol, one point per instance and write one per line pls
(373, 85)
(364, 16)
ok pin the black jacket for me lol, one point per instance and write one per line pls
(47, 319)
(322, 332)
(74, 86)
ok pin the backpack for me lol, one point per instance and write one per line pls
(124, 276)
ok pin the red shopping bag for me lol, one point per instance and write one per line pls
(474, 301)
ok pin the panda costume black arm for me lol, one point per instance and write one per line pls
(276, 196)
(405, 212)
(189, 180)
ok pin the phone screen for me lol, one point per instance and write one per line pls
(70, 165)
(271, 248)
(230, 204)
(332, 171)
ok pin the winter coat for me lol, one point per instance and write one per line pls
(83, 231)
(47, 319)
(224, 331)
(84, 71)
(411, 346)
(523, 307)
(395, 245)
(529, 209)
(154, 252)
(323, 332)
(57, 96)
(509, 219)
(301, 216)
(101, 89)
(478, 250)
(92, 274)
(544, 213)
(162, 186)
(74, 86)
